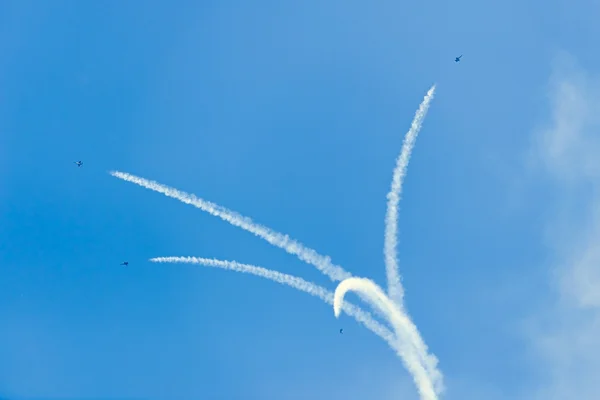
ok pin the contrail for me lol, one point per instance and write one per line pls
(421, 365)
(323, 263)
(309, 256)
(395, 290)
(405, 338)
(404, 348)
(355, 312)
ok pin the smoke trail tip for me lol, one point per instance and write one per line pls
(338, 303)
(167, 259)
(337, 310)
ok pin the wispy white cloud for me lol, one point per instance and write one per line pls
(567, 145)
(566, 336)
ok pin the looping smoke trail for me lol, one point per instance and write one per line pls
(322, 263)
(395, 290)
(422, 366)
(355, 312)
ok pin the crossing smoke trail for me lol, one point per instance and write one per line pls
(406, 341)
(355, 312)
(421, 365)
(322, 263)
(309, 256)
(395, 290)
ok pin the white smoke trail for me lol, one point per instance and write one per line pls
(310, 256)
(322, 263)
(406, 341)
(355, 312)
(404, 348)
(395, 290)
(421, 365)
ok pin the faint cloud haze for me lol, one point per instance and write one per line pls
(569, 144)
(567, 334)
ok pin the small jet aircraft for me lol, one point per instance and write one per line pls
(342, 330)
(457, 59)
(79, 163)
(125, 263)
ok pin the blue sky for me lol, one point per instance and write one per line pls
(293, 113)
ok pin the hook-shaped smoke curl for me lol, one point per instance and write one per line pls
(413, 351)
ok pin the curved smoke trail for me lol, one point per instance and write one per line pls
(395, 290)
(308, 255)
(420, 364)
(407, 341)
(295, 282)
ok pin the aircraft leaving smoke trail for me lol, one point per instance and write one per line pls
(323, 263)
(395, 290)
(422, 366)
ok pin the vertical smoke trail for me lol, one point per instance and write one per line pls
(323, 263)
(420, 364)
(395, 290)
